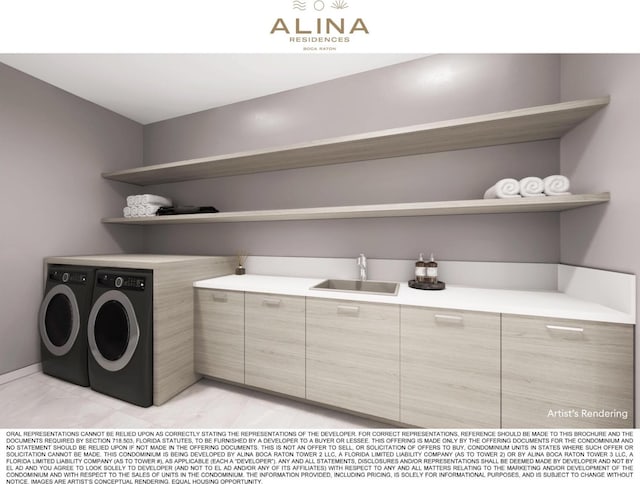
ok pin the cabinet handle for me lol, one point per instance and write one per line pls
(219, 296)
(565, 328)
(349, 310)
(271, 301)
(445, 318)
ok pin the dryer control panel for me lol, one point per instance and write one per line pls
(128, 282)
(68, 276)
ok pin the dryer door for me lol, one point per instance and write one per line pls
(59, 320)
(113, 330)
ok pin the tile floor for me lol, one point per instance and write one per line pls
(40, 401)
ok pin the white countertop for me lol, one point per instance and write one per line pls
(549, 304)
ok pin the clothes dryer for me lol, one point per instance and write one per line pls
(62, 322)
(120, 335)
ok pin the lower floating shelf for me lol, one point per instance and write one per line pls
(455, 207)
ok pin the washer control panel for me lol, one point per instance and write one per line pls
(132, 283)
(68, 276)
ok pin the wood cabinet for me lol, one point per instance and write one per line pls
(353, 355)
(219, 334)
(449, 368)
(275, 343)
(566, 373)
(432, 368)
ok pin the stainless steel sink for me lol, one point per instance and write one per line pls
(369, 287)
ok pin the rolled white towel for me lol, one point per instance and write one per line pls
(131, 200)
(134, 210)
(556, 185)
(532, 186)
(148, 209)
(126, 211)
(155, 199)
(505, 188)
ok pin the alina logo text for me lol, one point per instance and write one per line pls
(320, 25)
(326, 26)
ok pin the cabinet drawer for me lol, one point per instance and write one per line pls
(353, 355)
(219, 334)
(449, 368)
(275, 343)
(561, 373)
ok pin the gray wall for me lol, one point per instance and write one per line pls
(602, 154)
(53, 147)
(429, 89)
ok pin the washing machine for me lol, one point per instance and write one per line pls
(62, 321)
(120, 335)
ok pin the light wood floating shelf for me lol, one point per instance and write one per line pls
(455, 207)
(516, 126)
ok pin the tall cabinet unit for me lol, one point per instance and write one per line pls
(566, 373)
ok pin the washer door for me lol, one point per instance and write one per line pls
(59, 320)
(113, 330)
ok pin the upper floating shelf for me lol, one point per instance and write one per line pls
(455, 207)
(516, 126)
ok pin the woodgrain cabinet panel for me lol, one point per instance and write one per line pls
(275, 343)
(449, 368)
(566, 373)
(219, 334)
(353, 355)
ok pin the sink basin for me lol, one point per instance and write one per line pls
(369, 287)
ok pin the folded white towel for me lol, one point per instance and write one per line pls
(556, 185)
(148, 209)
(532, 186)
(126, 211)
(505, 188)
(155, 199)
(147, 204)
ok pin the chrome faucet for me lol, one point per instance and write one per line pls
(362, 264)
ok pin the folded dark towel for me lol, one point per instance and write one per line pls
(185, 210)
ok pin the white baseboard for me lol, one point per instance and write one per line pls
(20, 373)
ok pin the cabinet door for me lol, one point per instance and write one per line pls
(353, 355)
(449, 368)
(566, 373)
(219, 334)
(275, 343)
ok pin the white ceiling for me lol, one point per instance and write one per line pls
(152, 87)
